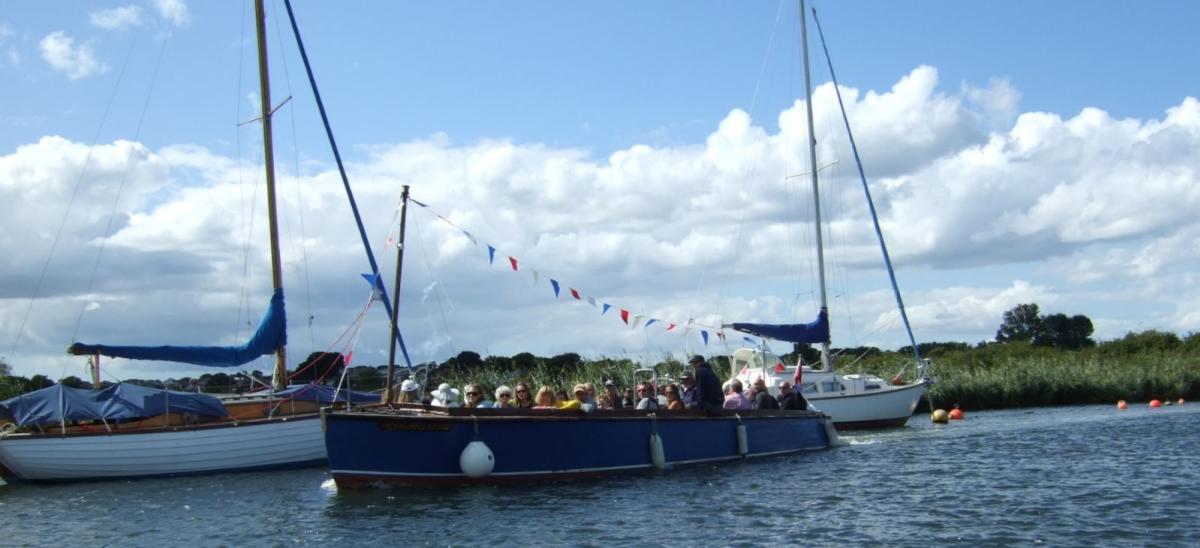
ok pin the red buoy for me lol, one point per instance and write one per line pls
(956, 414)
(1155, 403)
(1122, 405)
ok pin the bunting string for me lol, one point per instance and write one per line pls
(633, 320)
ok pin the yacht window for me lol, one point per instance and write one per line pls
(808, 388)
(832, 386)
(872, 387)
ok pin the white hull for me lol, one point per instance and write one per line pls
(852, 401)
(278, 443)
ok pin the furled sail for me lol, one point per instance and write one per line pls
(271, 334)
(811, 333)
(119, 402)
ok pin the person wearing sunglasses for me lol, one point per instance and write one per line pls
(504, 398)
(474, 397)
(524, 398)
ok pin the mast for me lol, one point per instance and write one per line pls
(391, 371)
(826, 363)
(279, 377)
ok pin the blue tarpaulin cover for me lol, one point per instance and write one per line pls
(324, 394)
(815, 332)
(119, 402)
(271, 334)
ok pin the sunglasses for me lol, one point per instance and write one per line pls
(503, 396)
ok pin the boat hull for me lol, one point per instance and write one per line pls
(889, 407)
(375, 448)
(251, 445)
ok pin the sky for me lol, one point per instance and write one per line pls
(650, 156)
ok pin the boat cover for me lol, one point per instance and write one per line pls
(325, 394)
(119, 402)
(271, 334)
(815, 332)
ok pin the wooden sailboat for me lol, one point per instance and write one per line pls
(853, 401)
(68, 434)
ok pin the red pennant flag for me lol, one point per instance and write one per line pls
(625, 316)
(778, 367)
(799, 373)
(670, 327)
(575, 294)
(513, 260)
(346, 362)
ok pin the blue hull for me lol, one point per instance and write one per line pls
(386, 446)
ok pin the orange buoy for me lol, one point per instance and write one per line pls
(956, 414)
(1155, 403)
(1122, 405)
(940, 417)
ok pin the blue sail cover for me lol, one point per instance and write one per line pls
(811, 333)
(271, 334)
(119, 402)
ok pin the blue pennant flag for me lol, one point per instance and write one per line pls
(554, 284)
(491, 254)
(606, 307)
(650, 321)
(704, 335)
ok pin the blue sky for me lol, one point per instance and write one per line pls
(637, 148)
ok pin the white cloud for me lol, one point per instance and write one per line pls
(117, 18)
(60, 51)
(11, 55)
(174, 11)
(1051, 210)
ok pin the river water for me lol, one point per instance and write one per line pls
(1070, 476)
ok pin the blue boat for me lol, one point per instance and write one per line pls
(406, 444)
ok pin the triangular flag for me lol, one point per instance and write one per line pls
(376, 286)
(704, 335)
(575, 293)
(606, 307)
(346, 361)
(670, 327)
(554, 284)
(491, 254)
(591, 301)
(652, 320)
(513, 261)
(470, 237)
(625, 316)
(778, 367)
(637, 320)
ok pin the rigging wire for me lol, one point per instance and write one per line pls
(121, 185)
(37, 290)
(287, 79)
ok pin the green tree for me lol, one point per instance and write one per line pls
(1022, 323)
(1067, 333)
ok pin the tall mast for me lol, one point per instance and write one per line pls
(826, 363)
(279, 378)
(391, 371)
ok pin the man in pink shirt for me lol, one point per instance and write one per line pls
(735, 399)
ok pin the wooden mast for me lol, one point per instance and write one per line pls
(826, 363)
(388, 391)
(279, 378)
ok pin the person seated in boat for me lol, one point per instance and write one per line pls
(762, 397)
(545, 398)
(524, 397)
(687, 389)
(561, 395)
(629, 402)
(649, 400)
(735, 399)
(445, 396)
(708, 386)
(674, 403)
(612, 396)
(588, 403)
(474, 397)
(504, 397)
(577, 402)
(410, 392)
(791, 399)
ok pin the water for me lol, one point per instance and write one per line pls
(1063, 476)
